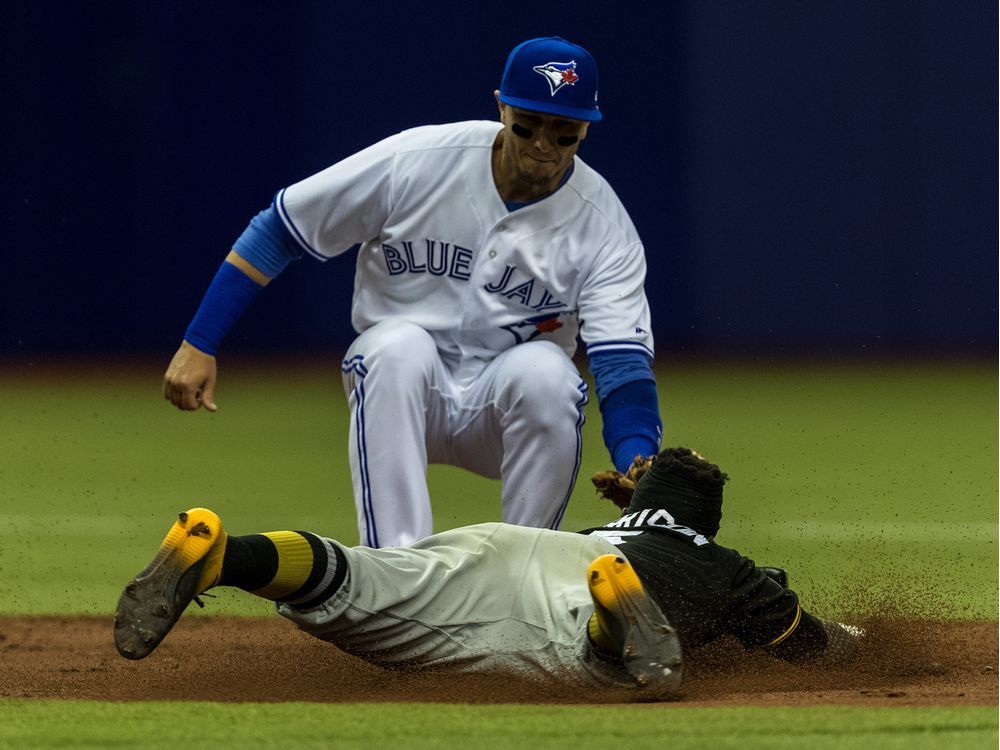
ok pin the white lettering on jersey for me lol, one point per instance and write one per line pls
(523, 291)
(617, 538)
(660, 518)
(438, 259)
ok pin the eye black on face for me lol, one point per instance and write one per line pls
(563, 140)
(521, 131)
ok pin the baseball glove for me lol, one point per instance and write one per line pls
(618, 487)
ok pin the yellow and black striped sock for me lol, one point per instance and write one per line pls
(295, 563)
(295, 567)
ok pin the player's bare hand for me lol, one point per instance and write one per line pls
(189, 382)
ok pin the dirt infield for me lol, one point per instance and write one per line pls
(233, 659)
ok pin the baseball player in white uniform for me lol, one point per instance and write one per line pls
(486, 248)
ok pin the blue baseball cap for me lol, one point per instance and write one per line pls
(551, 75)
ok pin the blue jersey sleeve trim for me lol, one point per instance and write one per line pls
(613, 368)
(267, 244)
(279, 203)
(607, 346)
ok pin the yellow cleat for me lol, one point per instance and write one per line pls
(188, 563)
(636, 628)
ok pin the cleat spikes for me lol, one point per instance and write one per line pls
(646, 642)
(188, 562)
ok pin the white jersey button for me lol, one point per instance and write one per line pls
(493, 253)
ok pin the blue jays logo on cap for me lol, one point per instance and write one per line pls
(558, 74)
(538, 69)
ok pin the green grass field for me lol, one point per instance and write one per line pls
(875, 485)
(438, 727)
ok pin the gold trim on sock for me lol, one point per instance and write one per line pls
(295, 563)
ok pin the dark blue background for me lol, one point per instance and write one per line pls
(808, 177)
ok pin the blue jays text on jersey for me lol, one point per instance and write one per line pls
(438, 258)
(448, 259)
(523, 290)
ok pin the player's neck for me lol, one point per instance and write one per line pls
(511, 187)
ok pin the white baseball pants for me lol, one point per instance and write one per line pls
(517, 417)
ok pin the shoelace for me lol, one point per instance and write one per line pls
(200, 603)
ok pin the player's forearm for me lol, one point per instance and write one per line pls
(262, 252)
(229, 294)
(632, 424)
(626, 390)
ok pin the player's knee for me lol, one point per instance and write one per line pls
(397, 345)
(541, 381)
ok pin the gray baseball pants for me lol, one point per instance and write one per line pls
(491, 598)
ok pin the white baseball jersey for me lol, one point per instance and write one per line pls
(441, 249)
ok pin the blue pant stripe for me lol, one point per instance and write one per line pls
(371, 531)
(580, 419)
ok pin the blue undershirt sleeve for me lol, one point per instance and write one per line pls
(626, 390)
(267, 244)
(269, 247)
(227, 297)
